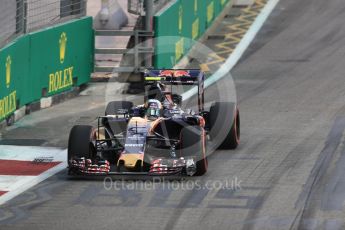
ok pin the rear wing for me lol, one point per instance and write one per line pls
(174, 77)
(178, 77)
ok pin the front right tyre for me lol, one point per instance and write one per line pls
(224, 122)
(193, 143)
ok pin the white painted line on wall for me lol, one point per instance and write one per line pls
(46, 102)
(239, 50)
(19, 114)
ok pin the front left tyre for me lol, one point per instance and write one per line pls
(80, 142)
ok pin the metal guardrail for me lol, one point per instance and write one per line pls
(137, 50)
(138, 6)
(135, 7)
(18, 17)
(136, 59)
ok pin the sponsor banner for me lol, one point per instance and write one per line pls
(45, 63)
(66, 60)
(187, 20)
(14, 68)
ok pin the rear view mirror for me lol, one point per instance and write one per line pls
(177, 99)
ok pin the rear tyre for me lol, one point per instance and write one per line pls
(80, 142)
(113, 107)
(225, 125)
(193, 143)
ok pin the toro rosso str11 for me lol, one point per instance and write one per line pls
(158, 137)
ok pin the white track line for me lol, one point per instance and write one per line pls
(16, 185)
(26, 182)
(29, 153)
(239, 50)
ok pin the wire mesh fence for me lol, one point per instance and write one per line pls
(138, 6)
(11, 13)
(18, 17)
(159, 4)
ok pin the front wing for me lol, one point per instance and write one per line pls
(158, 167)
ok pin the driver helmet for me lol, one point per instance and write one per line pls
(153, 109)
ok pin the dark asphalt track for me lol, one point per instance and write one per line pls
(290, 164)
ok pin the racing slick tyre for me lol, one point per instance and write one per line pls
(224, 122)
(113, 107)
(80, 142)
(193, 143)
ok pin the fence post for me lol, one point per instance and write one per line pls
(148, 27)
(25, 13)
(83, 7)
(19, 16)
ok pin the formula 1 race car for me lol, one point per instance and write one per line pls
(158, 137)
